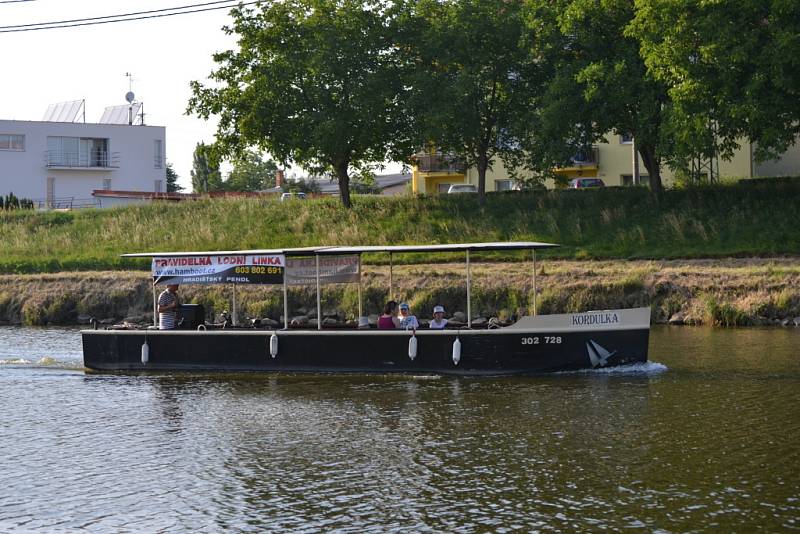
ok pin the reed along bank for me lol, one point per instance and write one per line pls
(722, 292)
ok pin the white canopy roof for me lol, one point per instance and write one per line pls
(394, 249)
(447, 247)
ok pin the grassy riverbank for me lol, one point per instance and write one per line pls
(755, 220)
(728, 292)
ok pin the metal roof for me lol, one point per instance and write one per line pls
(394, 249)
(447, 247)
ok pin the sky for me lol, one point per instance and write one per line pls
(38, 68)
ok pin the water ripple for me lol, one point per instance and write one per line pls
(709, 443)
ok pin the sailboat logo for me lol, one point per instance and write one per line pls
(597, 354)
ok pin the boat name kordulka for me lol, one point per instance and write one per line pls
(595, 318)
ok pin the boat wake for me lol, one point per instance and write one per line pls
(45, 361)
(15, 361)
(647, 368)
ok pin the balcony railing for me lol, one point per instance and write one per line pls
(67, 203)
(81, 160)
(439, 163)
(584, 157)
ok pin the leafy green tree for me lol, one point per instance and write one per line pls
(301, 186)
(172, 180)
(251, 172)
(599, 82)
(205, 172)
(313, 82)
(470, 75)
(732, 68)
(365, 184)
(12, 202)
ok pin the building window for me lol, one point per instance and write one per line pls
(77, 152)
(503, 185)
(627, 179)
(12, 142)
(158, 153)
(106, 184)
(157, 185)
(626, 139)
(442, 188)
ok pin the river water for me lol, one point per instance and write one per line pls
(704, 437)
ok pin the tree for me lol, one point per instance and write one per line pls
(301, 186)
(172, 180)
(313, 82)
(205, 172)
(470, 74)
(251, 172)
(730, 64)
(599, 82)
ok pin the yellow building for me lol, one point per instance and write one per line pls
(434, 172)
(611, 161)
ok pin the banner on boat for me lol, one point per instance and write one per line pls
(332, 270)
(213, 269)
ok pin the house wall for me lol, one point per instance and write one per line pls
(428, 182)
(787, 165)
(25, 172)
(393, 190)
(115, 202)
(615, 159)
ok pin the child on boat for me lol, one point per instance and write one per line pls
(407, 321)
(438, 322)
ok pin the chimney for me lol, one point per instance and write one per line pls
(279, 178)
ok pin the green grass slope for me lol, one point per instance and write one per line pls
(734, 220)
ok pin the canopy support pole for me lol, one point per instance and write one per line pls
(391, 278)
(533, 255)
(469, 295)
(155, 306)
(233, 316)
(319, 298)
(285, 301)
(360, 304)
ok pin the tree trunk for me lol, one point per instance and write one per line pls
(653, 165)
(483, 164)
(344, 184)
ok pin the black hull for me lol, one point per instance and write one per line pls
(487, 352)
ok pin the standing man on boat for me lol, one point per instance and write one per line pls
(168, 308)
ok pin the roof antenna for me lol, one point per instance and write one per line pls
(130, 97)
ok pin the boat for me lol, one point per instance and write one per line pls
(533, 344)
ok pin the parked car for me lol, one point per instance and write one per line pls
(580, 183)
(293, 196)
(462, 188)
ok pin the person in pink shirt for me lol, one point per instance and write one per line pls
(389, 319)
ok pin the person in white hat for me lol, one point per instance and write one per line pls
(438, 322)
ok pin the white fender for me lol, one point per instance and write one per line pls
(412, 347)
(145, 353)
(273, 345)
(456, 351)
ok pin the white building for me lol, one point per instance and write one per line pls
(62, 164)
